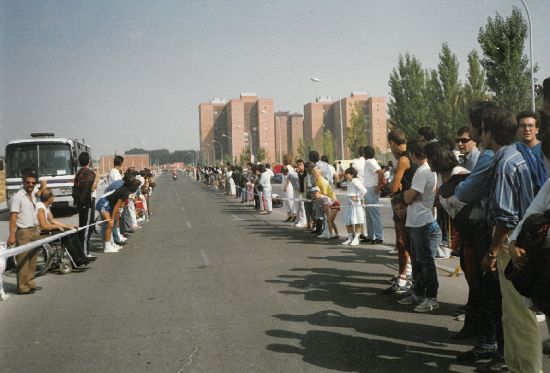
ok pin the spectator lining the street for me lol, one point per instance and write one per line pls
(330, 208)
(354, 213)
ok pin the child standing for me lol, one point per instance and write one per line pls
(355, 215)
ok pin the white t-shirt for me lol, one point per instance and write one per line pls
(113, 176)
(420, 212)
(359, 165)
(371, 177)
(41, 205)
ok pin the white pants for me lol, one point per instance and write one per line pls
(290, 205)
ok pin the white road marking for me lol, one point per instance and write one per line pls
(205, 258)
(235, 217)
(189, 224)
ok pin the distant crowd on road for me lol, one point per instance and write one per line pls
(122, 202)
(485, 193)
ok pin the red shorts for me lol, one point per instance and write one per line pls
(335, 205)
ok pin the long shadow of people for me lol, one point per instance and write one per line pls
(351, 353)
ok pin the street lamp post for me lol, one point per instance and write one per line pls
(530, 56)
(221, 148)
(317, 80)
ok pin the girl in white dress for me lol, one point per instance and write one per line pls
(355, 214)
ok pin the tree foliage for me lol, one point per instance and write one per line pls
(328, 144)
(407, 106)
(357, 131)
(261, 154)
(162, 156)
(475, 88)
(508, 78)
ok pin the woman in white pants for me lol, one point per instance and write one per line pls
(265, 183)
(355, 215)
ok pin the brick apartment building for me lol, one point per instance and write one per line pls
(289, 130)
(324, 114)
(235, 126)
(139, 161)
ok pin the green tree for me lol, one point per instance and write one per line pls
(502, 42)
(261, 154)
(451, 116)
(475, 88)
(328, 144)
(357, 131)
(407, 106)
(433, 96)
(300, 149)
(244, 157)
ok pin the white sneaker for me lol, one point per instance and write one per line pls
(428, 305)
(540, 317)
(122, 238)
(348, 241)
(301, 226)
(392, 251)
(109, 248)
(355, 241)
(118, 247)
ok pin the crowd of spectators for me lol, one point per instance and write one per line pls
(123, 202)
(485, 193)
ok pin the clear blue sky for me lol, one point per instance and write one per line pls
(125, 74)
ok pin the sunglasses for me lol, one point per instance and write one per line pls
(463, 140)
(30, 182)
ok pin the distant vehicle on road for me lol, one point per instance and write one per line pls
(55, 159)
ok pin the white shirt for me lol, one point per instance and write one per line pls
(356, 189)
(371, 177)
(41, 205)
(420, 212)
(113, 176)
(25, 208)
(359, 165)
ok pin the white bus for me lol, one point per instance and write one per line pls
(53, 158)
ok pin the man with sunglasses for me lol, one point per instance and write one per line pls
(469, 153)
(24, 229)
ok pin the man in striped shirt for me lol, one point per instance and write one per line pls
(511, 192)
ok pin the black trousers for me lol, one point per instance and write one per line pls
(85, 217)
(74, 247)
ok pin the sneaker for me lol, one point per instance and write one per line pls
(476, 354)
(412, 298)
(540, 317)
(497, 364)
(396, 289)
(428, 305)
(110, 249)
(393, 251)
(300, 226)
(355, 241)
(348, 241)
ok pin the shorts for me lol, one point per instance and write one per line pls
(103, 205)
(335, 206)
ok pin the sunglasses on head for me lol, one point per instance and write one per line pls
(462, 140)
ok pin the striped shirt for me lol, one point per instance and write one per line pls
(511, 189)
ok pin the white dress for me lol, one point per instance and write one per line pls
(355, 214)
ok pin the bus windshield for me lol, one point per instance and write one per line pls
(20, 157)
(55, 160)
(48, 159)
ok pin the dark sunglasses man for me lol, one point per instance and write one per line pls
(469, 153)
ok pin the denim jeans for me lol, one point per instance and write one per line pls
(375, 229)
(424, 244)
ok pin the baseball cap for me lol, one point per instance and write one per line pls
(315, 189)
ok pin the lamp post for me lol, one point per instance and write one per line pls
(530, 55)
(317, 80)
(221, 148)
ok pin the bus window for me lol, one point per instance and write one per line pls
(55, 160)
(20, 157)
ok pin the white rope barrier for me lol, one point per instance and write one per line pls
(33, 245)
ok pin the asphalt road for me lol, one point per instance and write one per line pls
(210, 286)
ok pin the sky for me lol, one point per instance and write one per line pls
(125, 74)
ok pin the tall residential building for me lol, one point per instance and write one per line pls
(289, 130)
(326, 113)
(241, 124)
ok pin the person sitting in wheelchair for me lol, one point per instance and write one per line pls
(48, 224)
